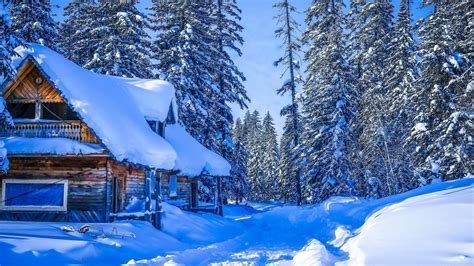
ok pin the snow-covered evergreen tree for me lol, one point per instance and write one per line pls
(290, 171)
(442, 134)
(255, 157)
(374, 27)
(226, 16)
(270, 158)
(121, 43)
(239, 188)
(399, 82)
(328, 104)
(32, 22)
(183, 51)
(78, 31)
(8, 43)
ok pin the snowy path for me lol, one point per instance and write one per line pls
(432, 225)
(433, 228)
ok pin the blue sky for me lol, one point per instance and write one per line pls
(261, 49)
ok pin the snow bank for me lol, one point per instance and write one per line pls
(105, 104)
(432, 229)
(203, 228)
(36, 243)
(432, 225)
(56, 146)
(193, 158)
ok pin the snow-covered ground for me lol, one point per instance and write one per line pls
(430, 225)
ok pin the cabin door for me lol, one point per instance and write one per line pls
(117, 197)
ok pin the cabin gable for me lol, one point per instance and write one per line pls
(39, 110)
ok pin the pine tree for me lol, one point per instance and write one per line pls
(255, 151)
(229, 79)
(8, 43)
(290, 172)
(78, 31)
(239, 187)
(328, 104)
(182, 50)
(374, 23)
(32, 22)
(121, 42)
(399, 82)
(442, 134)
(270, 158)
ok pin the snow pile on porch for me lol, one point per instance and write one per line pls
(427, 226)
(193, 158)
(52, 146)
(106, 106)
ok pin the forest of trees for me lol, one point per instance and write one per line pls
(384, 104)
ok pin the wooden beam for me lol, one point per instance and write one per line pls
(158, 200)
(149, 174)
(218, 196)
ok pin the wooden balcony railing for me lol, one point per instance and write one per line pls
(75, 130)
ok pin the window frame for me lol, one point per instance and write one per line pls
(42, 208)
(173, 194)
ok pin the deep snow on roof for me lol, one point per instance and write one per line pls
(115, 108)
(193, 157)
(106, 106)
(153, 97)
(50, 146)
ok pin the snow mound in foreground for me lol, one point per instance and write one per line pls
(433, 225)
(436, 228)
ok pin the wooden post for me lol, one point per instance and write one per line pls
(107, 192)
(149, 174)
(218, 197)
(158, 208)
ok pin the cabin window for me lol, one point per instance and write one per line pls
(58, 111)
(173, 186)
(157, 127)
(22, 110)
(34, 194)
(161, 129)
(48, 111)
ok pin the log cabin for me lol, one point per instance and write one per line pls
(86, 147)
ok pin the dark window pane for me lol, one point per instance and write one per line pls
(34, 194)
(22, 110)
(58, 111)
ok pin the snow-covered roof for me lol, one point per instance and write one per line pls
(153, 97)
(115, 109)
(105, 105)
(52, 146)
(193, 157)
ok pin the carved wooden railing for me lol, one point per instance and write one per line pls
(75, 130)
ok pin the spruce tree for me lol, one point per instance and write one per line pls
(79, 29)
(182, 51)
(121, 43)
(8, 43)
(228, 78)
(255, 158)
(442, 135)
(239, 187)
(290, 172)
(270, 158)
(328, 104)
(374, 33)
(32, 22)
(399, 81)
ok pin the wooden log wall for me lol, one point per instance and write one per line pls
(86, 186)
